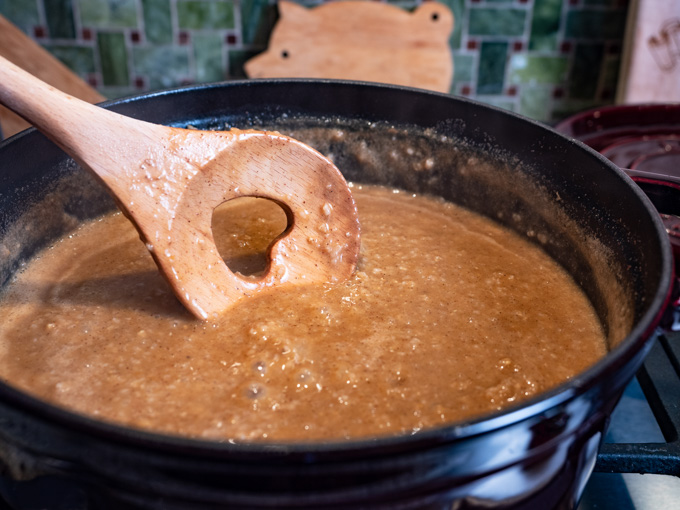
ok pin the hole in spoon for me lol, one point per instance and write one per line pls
(243, 229)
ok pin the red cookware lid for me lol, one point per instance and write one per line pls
(644, 140)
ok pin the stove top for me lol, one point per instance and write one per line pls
(638, 467)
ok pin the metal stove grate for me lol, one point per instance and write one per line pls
(659, 379)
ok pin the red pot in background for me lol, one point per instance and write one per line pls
(644, 141)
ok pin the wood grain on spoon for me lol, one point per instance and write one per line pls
(169, 180)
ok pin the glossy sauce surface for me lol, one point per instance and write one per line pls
(448, 317)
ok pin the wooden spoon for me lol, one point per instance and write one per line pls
(168, 181)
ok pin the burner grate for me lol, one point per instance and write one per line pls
(659, 379)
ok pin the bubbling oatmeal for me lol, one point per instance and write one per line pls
(448, 317)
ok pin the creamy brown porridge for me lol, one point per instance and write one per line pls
(449, 316)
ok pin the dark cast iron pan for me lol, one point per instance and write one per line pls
(581, 208)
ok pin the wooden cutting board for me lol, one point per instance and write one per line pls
(366, 40)
(21, 50)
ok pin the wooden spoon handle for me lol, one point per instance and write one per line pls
(42, 105)
(96, 138)
(169, 180)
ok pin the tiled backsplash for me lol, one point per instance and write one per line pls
(542, 58)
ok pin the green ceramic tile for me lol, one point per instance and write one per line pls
(20, 12)
(586, 70)
(78, 58)
(113, 58)
(108, 13)
(536, 102)
(545, 24)
(257, 20)
(157, 21)
(117, 92)
(59, 15)
(561, 109)
(237, 58)
(199, 14)
(163, 66)
(463, 68)
(491, 64)
(610, 73)
(595, 24)
(526, 68)
(497, 22)
(208, 57)
(491, 74)
(503, 103)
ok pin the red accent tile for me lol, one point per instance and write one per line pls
(231, 39)
(135, 36)
(93, 81)
(39, 32)
(472, 45)
(184, 38)
(140, 82)
(512, 91)
(565, 47)
(86, 34)
(558, 93)
(517, 46)
(466, 90)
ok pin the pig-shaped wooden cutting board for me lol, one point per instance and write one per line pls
(354, 40)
